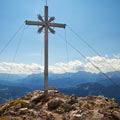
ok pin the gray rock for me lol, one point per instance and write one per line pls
(18, 106)
(23, 110)
(72, 101)
(12, 113)
(116, 115)
(97, 116)
(51, 117)
(74, 96)
(78, 117)
(3, 108)
(37, 98)
(67, 107)
(54, 104)
(66, 117)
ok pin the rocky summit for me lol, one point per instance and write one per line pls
(58, 106)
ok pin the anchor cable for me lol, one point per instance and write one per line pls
(16, 51)
(67, 51)
(10, 40)
(85, 42)
(117, 85)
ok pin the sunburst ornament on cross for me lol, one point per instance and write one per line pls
(46, 24)
(43, 24)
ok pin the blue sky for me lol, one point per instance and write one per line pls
(97, 21)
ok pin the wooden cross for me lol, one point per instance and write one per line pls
(47, 24)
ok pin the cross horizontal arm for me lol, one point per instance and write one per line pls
(34, 23)
(57, 25)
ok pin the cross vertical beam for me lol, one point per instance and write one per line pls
(46, 52)
(45, 23)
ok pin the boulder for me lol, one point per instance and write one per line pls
(97, 116)
(74, 96)
(54, 104)
(72, 101)
(12, 113)
(37, 98)
(3, 108)
(50, 117)
(18, 106)
(23, 110)
(66, 117)
(59, 110)
(67, 107)
(78, 117)
(116, 115)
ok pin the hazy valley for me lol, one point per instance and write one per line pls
(80, 83)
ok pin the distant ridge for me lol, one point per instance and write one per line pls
(36, 81)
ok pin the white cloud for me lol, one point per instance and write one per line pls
(117, 56)
(72, 66)
(20, 68)
(105, 64)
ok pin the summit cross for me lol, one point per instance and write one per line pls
(47, 24)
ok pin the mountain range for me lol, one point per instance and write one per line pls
(66, 80)
(80, 83)
(8, 93)
(94, 89)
